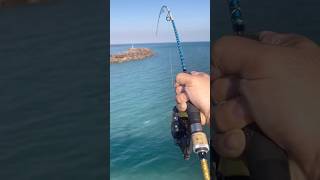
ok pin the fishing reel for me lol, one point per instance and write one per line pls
(181, 133)
(187, 133)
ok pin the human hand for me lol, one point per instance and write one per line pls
(196, 88)
(274, 83)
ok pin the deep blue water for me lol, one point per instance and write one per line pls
(53, 62)
(141, 100)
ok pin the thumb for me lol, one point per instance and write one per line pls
(184, 79)
(234, 55)
(286, 39)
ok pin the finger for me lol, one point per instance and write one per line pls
(296, 172)
(286, 39)
(184, 79)
(215, 73)
(203, 119)
(232, 114)
(179, 89)
(182, 107)
(194, 73)
(238, 55)
(224, 89)
(202, 74)
(230, 144)
(181, 98)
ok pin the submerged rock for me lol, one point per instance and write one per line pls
(131, 55)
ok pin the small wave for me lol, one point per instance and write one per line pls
(146, 122)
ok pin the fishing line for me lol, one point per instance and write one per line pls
(236, 17)
(171, 69)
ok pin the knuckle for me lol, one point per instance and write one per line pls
(217, 46)
(192, 81)
(205, 75)
(178, 76)
(222, 88)
(177, 90)
(177, 97)
(181, 106)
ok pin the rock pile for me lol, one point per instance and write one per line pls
(131, 54)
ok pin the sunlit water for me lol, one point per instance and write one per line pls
(141, 100)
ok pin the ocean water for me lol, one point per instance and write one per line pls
(53, 62)
(53, 108)
(141, 100)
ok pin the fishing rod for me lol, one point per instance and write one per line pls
(186, 128)
(169, 18)
(236, 17)
(265, 160)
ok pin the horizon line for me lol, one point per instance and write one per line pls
(156, 42)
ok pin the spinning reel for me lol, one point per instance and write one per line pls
(181, 133)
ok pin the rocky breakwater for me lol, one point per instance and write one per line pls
(131, 55)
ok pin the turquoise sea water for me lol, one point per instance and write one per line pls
(141, 100)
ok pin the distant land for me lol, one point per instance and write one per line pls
(131, 55)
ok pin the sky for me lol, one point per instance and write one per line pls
(135, 21)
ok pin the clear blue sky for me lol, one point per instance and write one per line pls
(136, 21)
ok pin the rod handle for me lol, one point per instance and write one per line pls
(193, 113)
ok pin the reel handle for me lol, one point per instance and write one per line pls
(265, 160)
